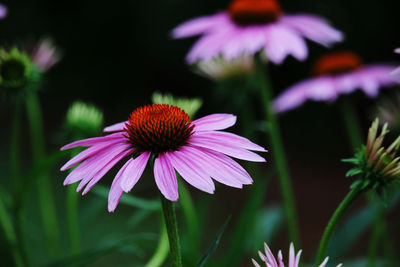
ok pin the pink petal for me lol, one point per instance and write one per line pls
(231, 139)
(225, 148)
(397, 50)
(314, 28)
(102, 172)
(324, 262)
(292, 260)
(281, 41)
(94, 140)
(164, 175)
(88, 153)
(280, 259)
(214, 122)
(116, 191)
(198, 25)
(255, 263)
(116, 127)
(270, 256)
(298, 258)
(318, 89)
(216, 170)
(190, 171)
(92, 165)
(134, 171)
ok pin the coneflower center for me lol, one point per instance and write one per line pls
(254, 12)
(159, 128)
(337, 63)
(12, 72)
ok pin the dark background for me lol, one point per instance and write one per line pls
(117, 53)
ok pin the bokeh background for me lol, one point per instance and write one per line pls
(117, 53)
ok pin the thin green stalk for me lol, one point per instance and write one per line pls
(352, 124)
(73, 220)
(9, 233)
(344, 205)
(46, 199)
(279, 156)
(376, 237)
(172, 230)
(161, 252)
(14, 149)
(192, 222)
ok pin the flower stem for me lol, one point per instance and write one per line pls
(376, 236)
(172, 230)
(46, 199)
(279, 156)
(344, 205)
(73, 220)
(6, 224)
(352, 124)
(161, 252)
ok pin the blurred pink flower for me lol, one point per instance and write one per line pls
(3, 11)
(249, 26)
(337, 73)
(396, 72)
(294, 260)
(195, 149)
(46, 55)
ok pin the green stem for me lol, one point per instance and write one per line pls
(14, 149)
(352, 124)
(192, 222)
(172, 230)
(73, 219)
(161, 252)
(376, 236)
(46, 199)
(9, 233)
(344, 205)
(279, 156)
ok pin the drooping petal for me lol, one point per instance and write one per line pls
(164, 175)
(134, 171)
(213, 168)
(116, 127)
(102, 172)
(225, 148)
(198, 25)
(214, 122)
(190, 172)
(371, 78)
(281, 41)
(232, 139)
(88, 153)
(116, 191)
(318, 89)
(314, 28)
(94, 140)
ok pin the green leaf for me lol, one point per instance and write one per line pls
(128, 199)
(214, 245)
(352, 160)
(353, 172)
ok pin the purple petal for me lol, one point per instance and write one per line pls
(116, 191)
(270, 256)
(225, 148)
(397, 50)
(134, 171)
(298, 257)
(116, 127)
(281, 41)
(231, 139)
(92, 165)
(280, 259)
(255, 263)
(324, 262)
(102, 172)
(94, 140)
(219, 171)
(292, 260)
(88, 153)
(3, 11)
(164, 175)
(198, 25)
(214, 122)
(318, 89)
(314, 28)
(190, 171)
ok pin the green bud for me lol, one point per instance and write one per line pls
(83, 119)
(189, 105)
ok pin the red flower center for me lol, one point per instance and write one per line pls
(337, 63)
(159, 128)
(253, 12)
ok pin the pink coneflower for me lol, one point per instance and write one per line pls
(195, 149)
(46, 55)
(335, 74)
(249, 26)
(294, 260)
